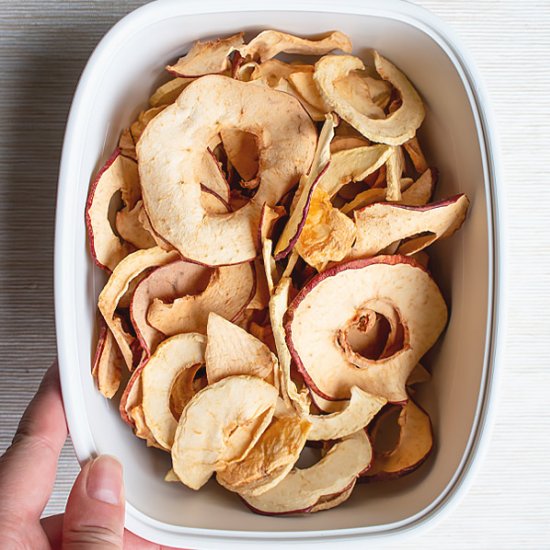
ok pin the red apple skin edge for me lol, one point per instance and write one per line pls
(353, 264)
(386, 476)
(126, 393)
(91, 193)
(294, 512)
(294, 239)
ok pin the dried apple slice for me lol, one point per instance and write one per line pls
(210, 57)
(301, 490)
(168, 92)
(273, 71)
(414, 445)
(130, 227)
(394, 170)
(361, 409)
(117, 174)
(221, 425)
(380, 224)
(229, 291)
(170, 152)
(143, 119)
(420, 192)
(166, 283)
(173, 356)
(343, 143)
(397, 128)
(299, 400)
(119, 281)
(314, 320)
(332, 501)
(231, 350)
(304, 84)
(412, 146)
(270, 460)
(300, 208)
(354, 89)
(108, 361)
(270, 43)
(327, 234)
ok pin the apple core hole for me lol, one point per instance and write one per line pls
(183, 388)
(368, 341)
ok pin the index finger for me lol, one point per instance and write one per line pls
(28, 467)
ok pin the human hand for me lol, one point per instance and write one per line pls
(94, 517)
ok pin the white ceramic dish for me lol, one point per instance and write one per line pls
(458, 136)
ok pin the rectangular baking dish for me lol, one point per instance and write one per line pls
(459, 138)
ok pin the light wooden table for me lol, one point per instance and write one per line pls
(43, 48)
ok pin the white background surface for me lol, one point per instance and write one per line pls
(44, 46)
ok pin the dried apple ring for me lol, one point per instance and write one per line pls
(170, 151)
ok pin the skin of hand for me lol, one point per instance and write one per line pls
(94, 517)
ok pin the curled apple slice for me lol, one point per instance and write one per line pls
(117, 175)
(220, 425)
(270, 460)
(301, 490)
(413, 447)
(361, 409)
(130, 227)
(355, 89)
(381, 224)
(420, 192)
(170, 152)
(270, 43)
(168, 92)
(304, 84)
(273, 71)
(229, 291)
(398, 127)
(299, 400)
(231, 350)
(210, 57)
(181, 354)
(125, 272)
(108, 361)
(314, 320)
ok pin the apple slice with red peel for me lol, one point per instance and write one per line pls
(298, 400)
(314, 320)
(106, 248)
(420, 192)
(132, 394)
(398, 127)
(170, 155)
(232, 350)
(361, 409)
(229, 291)
(213, 181)
(270, 460)
(332, 501)
(210, 57)
(168, 92)
(130, 228)
(181, 353)
(219, 426)
(381, 224)
(300, 208)
(108, 361)
(270, 43)
(413, 447)
(301, 490)
(115, 288)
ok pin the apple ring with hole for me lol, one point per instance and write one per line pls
(314, 320)
(170, 154)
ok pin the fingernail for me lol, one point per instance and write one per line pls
(104, 481)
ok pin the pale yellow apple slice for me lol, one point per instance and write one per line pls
(420, 192)
(170, 153)
(168, 92)
(354, 89)
(108, 362)
(220, 425)
(270, 43)
(394, 170)
(181, 353)
(130, 227)
(398, 127)
(304, 84)
(119, 281)
(232, 350)
(144, 118)
(412, 146)
(270, 460)
(361, 409)
(273, 71)
(210, 57)
(301, 490)
(314, 320)
(332, 501)
(379, 225)
(229, 291)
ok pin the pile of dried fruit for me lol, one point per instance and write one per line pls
(241, 352)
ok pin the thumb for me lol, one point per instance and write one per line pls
(95, 510)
